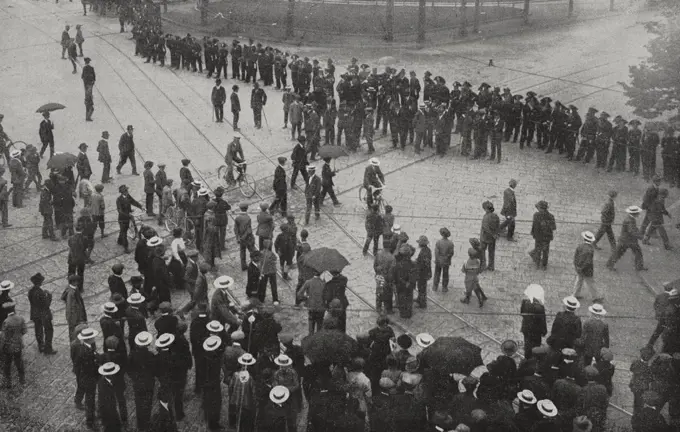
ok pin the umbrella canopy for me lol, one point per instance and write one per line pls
(329, 346)
(61, 160)
(52, 106)
(326, 259)
(332, 151)
(448, 355)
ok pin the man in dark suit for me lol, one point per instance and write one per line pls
(46, 135)
(41, 315)
(77, 253)
(280, 188)
(567, 326)
(124, 205)
(488, 235)
(258, 99)
(327, 174)
(83, 164)
(649, 418)
(648, 199)
(235, 106)
(300, 162)
(110, 327)
(89, 77)
(218, 97)
(135, 318)
(542, 229)
(607, 216)
(594, 400)
(167, 322)
(126, 146)
(84, 356)
(142, 368)
(313, 194)
(197, 334)
(221, 220)
(106, 386)
(629, 239)
(11, 346)
(149, 187)
(509, 210)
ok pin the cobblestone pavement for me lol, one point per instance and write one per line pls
(171, 114)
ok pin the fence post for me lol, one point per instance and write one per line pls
(478, 11)
(571, 8)
(421, 21)
(463, 18)
(526, 12)
(389, 21)
(290, 19)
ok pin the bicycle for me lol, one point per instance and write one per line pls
(174, 219)
(244, 181)
(12, 144)
(377, 197)
(133, 232)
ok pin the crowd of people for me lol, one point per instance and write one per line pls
(384, 384)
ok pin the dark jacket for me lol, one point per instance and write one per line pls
(509, 203)
(218, 96)
(423, 263)
(608, 212)
(235, 103)
(40, 301)
(649, 420)
(117, 286)
(566, 328)
(543, 226)
(533, 318)
(327, 175)
(313, 189)
(373, 223)
(490, 228)
(630, 234)
(583, 259)
(126, 144)
(45, 131)
(280, 184)
(88, 75)
(650, 196)
(299, 157)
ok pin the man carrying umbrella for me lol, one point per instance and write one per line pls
(46, 135)
(126, 146)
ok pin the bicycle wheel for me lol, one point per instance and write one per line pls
(170, 222)
(362, 195)
(19, 145)
(222, 173)
(189, 233)
(247, 186)
(132, 230)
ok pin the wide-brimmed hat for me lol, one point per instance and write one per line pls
(527, 397)
(37, 279)
(404, 342)
(424, 340)
(547, 408)
(203, 192)
(165, 340)
(6, 285)
(588, 236)
(571, 302)
(509, 347)
(135, 298)
(15, 153)
(279, 394)
(154, 241)
(87, 333)
(143, 339)
(109, 308)
(633, 210)
(212, 343)
(246, 359)
(109, 368)
(223, 282)
(597, 309)
(283, 360)
(396, 228)
(374, 161)
(214, 326)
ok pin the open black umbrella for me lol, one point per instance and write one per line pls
(62, 160)
(448, 355)
(329, 346)
(52, 106)
(326, 259)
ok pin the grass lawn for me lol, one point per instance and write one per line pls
(317, 19)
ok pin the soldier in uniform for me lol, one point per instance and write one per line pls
(514, 118)
(586, 149)
(209, 53)
(343, 121)
(544, 117)
(619, 149)
(368, 129)
(221, 220)
(669, 152)
(221, 59)
(236, 56)
(466, 132)
(634, 144)
(650, 141)
(528, 120)
(419, 126)
(573, 125)
(258, 99)
(604, 134)
(557, 128)
(496, 137)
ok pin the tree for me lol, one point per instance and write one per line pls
(389, 21)
(654, 88)
(421, 21)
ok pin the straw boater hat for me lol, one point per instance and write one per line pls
(135, 298)
(15, 153)
(214, 326)
(87, 333)
(588, 236)
(212, 343)
(223, 282)
(597, 309)
(571, 302)
(154, 241)
(202, 192)
(143, 339)
(547, 408)
(6, 285)
(633, 210)
(527, 397)
(109, 368)
(165, 340)
(246, 359)
(283, 360)
(279, 394)
(109, 308)
(396, 228)
(424, 340)
(374, 161)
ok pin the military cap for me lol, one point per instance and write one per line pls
(456, 84)
(518, 97)
(546, 99)
(573, 107)
(531, 94)
(483, 86)
(634, 122)
(604, 114)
